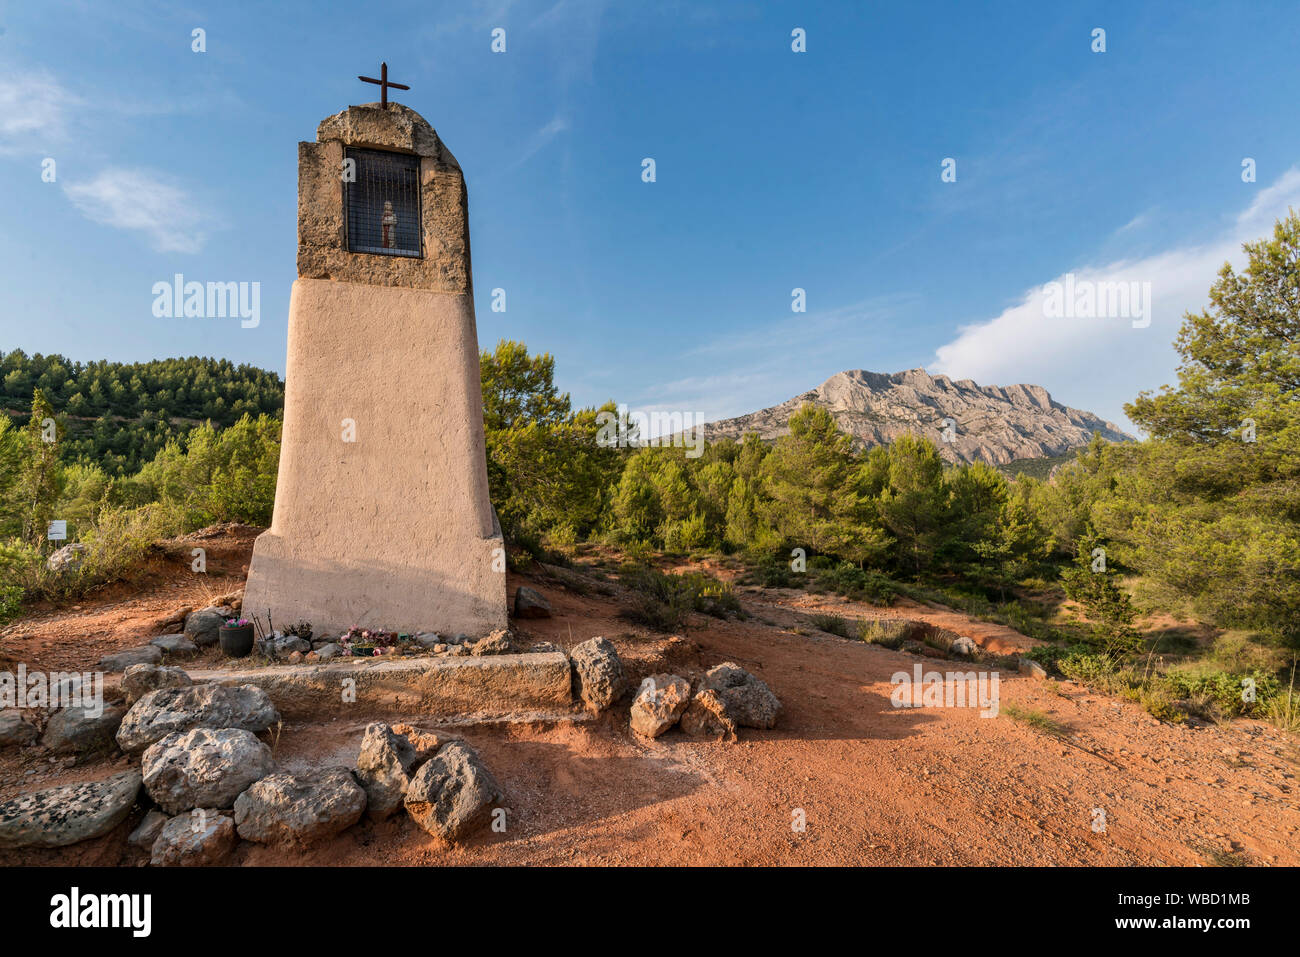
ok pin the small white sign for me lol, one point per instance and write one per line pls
(57, 531)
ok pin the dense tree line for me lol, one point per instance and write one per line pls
(1205, 513)
(118, 416)
(897, 508)
(208, 475)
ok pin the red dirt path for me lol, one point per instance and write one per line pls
(878, 785)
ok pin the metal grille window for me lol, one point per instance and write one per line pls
(383, 204)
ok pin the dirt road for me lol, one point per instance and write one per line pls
(875, 784)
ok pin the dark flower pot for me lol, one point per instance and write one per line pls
(236, 641)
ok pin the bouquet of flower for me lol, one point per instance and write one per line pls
(366, 641)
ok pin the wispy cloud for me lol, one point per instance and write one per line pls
(141, 200)
(474, 15)
(36, 114)
(822, 332)
(34, 110)
(1137, 222)
(760, 363)
(574, 27)
(1100, 364)
(722, 395)
(540, 139)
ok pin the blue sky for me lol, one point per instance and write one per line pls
(775, 170)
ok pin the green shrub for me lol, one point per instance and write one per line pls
(637, 553)
(1205, 693)
(1160, 702)
(857, 583)
(1098, 672)
(20, 564)
(1223, 689)
(775, 573)
(1284, 711)
(712, 596)
(1050, 656)
(11, 602)
(1104, 601)
(832, 624)
(115, 543)
(685, 535)
(664, 601)
(217, 476)
(121, 536)
(890, 632)
(562, 540)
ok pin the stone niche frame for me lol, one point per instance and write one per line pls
(444, 208)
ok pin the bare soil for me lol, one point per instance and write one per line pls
(877, 785)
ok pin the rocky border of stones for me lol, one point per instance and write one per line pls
(713, 705)
(210, 781)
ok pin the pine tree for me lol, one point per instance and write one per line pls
(40, 479)
(913, 504)
(1209, 509)
(1092, 583)
(807, 480)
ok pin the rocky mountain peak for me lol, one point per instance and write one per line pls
(994, 424)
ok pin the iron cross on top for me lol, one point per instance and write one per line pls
(383, 84)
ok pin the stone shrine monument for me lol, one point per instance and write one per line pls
(382, 517)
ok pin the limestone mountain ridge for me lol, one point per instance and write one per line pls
(994, 424)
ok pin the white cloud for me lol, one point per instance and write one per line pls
(773, 361)
(1099, 364)
(33, 112)
(136, 199)
(540, 139)
(819, 332)
(719, 396)
(1137, 222)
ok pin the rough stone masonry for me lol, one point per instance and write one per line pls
(382, 516)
